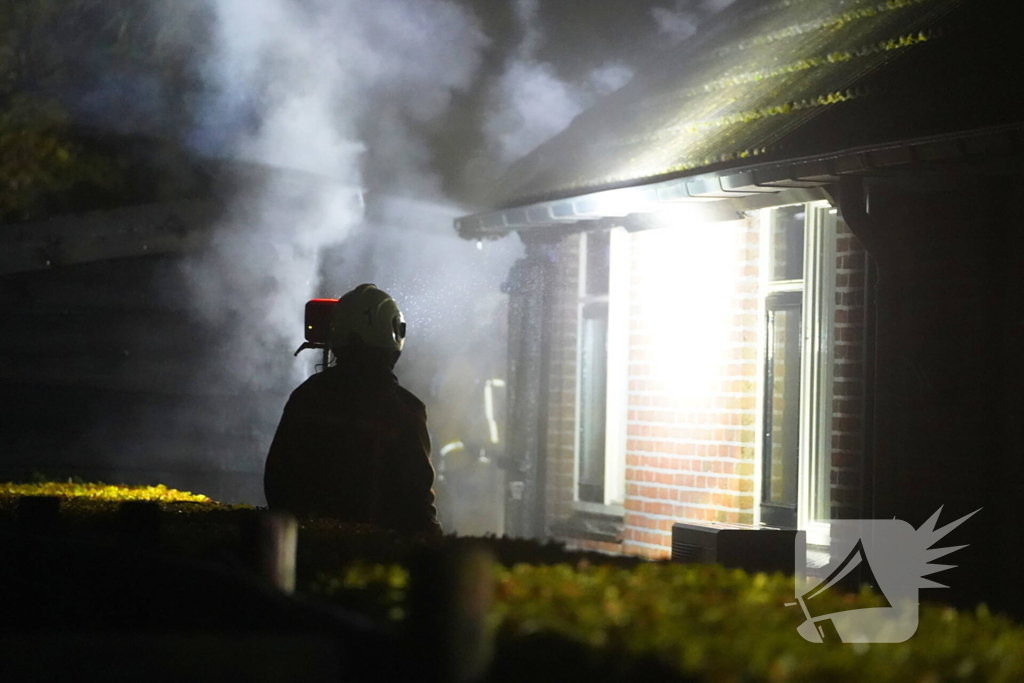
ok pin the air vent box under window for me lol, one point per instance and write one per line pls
(754, 550)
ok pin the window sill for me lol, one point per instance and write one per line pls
(590, 526)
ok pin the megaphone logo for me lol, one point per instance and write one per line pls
(888, 554)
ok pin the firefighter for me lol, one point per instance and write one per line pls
(468, 436)
(352, 444)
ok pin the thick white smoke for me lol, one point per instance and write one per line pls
(529, 103)
(333, 103)
(299, 87)
(682, 20)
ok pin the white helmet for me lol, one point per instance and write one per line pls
(370, 314)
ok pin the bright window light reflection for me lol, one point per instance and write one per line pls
(687, 276)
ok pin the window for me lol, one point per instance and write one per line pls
(593, 373)
(782, 409)
(602, 339)
(798, 274)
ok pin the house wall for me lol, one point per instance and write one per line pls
(691, 422)
(693, 382)
(846, 493)
(943, 293)
(561, 436)
(690, 448)
(1007, 496)
(946, 312)
(105, 375)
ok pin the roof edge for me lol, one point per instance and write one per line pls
(716, 194)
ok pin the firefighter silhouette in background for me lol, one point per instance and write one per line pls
(352, 444)
(467, 420)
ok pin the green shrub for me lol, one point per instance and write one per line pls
(602, 613)
(707, 621)
(80, 492)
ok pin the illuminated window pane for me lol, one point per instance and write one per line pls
(593, 387)
(782, 409)
(787, 243)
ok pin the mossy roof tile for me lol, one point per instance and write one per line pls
(783, 80)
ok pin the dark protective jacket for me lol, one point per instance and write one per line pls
(353, 444)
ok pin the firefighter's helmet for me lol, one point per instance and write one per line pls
(371, 315)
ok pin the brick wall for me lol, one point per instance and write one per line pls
(693, 382)
(561, 435)
(690, 453)
(848, 377)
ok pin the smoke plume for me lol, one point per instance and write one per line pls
(323, 94)
(682, 20)
(529, 103)
(332, 103)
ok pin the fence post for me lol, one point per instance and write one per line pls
(269, 542)
(450, 594)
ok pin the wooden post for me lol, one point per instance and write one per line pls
(269, 543)
(451, 593)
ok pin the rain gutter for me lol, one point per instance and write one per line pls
(725, 194)
(144, 230)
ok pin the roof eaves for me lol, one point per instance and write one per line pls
(757, 186)
(127, 232)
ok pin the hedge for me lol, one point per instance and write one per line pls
(81, 494)
(557, 612)
(707, 621)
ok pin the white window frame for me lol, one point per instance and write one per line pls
(616, 394)
(818, 307)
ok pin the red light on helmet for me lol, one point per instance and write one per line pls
(318, 320)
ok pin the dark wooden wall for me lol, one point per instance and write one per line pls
(106, 374)
(948, 373)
